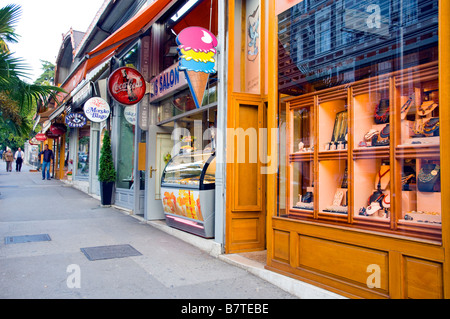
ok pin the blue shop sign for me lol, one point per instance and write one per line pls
(75, 120)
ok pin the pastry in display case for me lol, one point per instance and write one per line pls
(188, 189)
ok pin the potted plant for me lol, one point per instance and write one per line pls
(107, 172)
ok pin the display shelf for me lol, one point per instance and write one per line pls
(417, 150)
(333, 155)
(371, 152)
(333, 188)
(301, 156)
(338, 120)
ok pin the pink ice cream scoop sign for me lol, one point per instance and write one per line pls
(197, 51)
(197, 39)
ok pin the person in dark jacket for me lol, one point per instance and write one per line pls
(48, 158)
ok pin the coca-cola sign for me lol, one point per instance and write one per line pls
(126, 85)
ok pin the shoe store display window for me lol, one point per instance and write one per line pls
(360, 110)
(364, 131)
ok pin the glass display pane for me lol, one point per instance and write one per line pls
(187, 169)
(360, 85)
(302, 186)
(333, 187)
(125, 163)
(83, 153)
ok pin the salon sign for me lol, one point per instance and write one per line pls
(169, 81)
(96, 109)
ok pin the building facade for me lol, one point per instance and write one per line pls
(322, 120)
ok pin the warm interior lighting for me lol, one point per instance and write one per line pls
(184, 221)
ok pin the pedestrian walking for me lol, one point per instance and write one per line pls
(18, 156)
(48, 158)
(9, 158)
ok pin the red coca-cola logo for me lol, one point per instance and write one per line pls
(126, 85)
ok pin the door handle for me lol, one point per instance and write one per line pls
(151, 171)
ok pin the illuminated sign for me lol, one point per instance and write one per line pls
(127, 86)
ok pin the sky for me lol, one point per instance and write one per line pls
(42, 25)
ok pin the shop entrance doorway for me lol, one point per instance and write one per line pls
(246, 185)
(160, 145)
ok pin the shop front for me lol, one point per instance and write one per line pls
(127, 137)
(358, 94)
(184, 118)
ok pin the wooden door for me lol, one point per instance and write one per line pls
(245, 220)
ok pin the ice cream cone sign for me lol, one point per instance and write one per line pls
(196, 47)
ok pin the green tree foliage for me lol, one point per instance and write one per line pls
(18, 99)
(107, 172)
(48, 75)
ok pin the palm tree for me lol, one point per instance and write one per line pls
(9, 16)
(17, 97)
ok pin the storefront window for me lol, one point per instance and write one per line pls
(182, 102)
(83, 152)
(126, 131)
(359, 114)
(125, 163)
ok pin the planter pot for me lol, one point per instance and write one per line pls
(106, 190)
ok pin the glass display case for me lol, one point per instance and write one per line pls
(191, 170)
(362, 134)
(188, 190)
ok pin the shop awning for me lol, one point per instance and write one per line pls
(133, 28)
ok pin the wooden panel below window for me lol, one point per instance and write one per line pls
(245, 230)
(282, 246)
(423, 279)
(346, 261)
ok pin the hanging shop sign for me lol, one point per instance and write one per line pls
(40, 137)
(126, 85)
(52, 135)
(196, 47)
(33, 141)
(58, 129)
(75, 120)
(143, 115)
(130, 114)
(169, 81)
(96, 109)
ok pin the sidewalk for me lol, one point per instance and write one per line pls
(171, 264)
